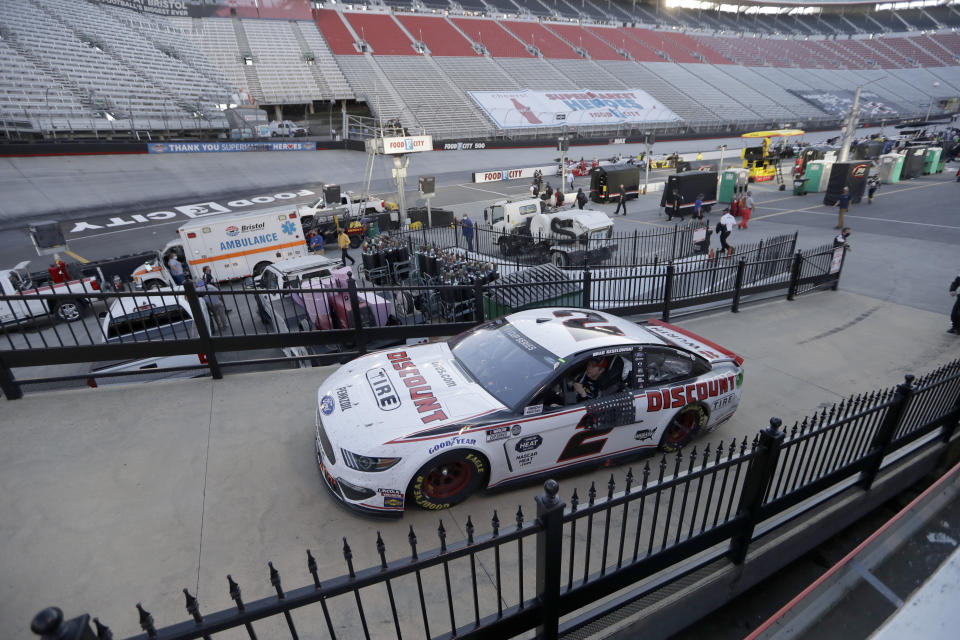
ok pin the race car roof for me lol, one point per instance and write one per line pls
(565, 331)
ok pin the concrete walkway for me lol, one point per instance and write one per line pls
(130, 493)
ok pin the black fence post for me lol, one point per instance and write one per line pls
(587, 281)
(795, 275)
(49, 625)
(8, 384)
(478, 311)
(634, 246)
(673, 247)
(203, 331)
(360, 339)
(738, 285)
(667, 293)
(884, 435)
(549, 551)
(755, 483)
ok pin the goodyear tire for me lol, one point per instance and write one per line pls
(560, 259)
(447, 480)
(683, 427)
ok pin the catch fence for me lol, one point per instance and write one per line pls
(575, 564)
(345, 318)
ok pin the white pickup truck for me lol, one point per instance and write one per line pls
(351, 205)
(21, 285)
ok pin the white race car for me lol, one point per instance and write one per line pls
(516, 398)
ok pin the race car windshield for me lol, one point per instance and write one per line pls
(504, 361)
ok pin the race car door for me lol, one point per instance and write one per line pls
(567, 429)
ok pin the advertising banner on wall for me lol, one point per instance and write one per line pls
(284, 9)
(837, 102)
(523, 109)
(228, 147)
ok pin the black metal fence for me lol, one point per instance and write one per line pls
(552, 572)
(338, 322)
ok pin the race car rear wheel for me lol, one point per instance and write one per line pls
(447, 480)
(68, 310)
(683, 427)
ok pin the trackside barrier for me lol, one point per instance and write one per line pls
(421, 308)
(690, 511)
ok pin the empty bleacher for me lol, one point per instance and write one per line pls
(834, 23)
(535, 74)
(889, 21)
(499, 42)
(477, 74)
(335, 32)
(582, 38)
(911, 51)
(638, 76)
(725, 107)
(916, 18)
(325, 63)
(586, 74)
(934, 48)
(425, 90)
(536, 35)
(617, 38)
(944, 16)
(281, 67)
(371, 86)
(383, 35)
(441, 38)
(534, 7)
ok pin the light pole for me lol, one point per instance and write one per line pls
(930, 104)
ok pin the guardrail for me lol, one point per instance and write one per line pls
(688, 512)
(335, 324)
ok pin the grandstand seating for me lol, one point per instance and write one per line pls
(582, 38)
(536, 35)
(155, 68)
(441, 38)
(497, 40)
(380, 31)
(335, 32)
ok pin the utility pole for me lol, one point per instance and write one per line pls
(648, 140)
(851, 127)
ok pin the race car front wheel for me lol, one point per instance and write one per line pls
(447, 480)
(683, 427)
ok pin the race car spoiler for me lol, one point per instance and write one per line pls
(684, 339)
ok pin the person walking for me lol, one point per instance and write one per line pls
(841, 239)
(955, 313)
(843, 202)
(674, 210)
(214, 304)
(747, 210)
(548, 190)
(581, 198)
(466, 228)
(698, 207)
(343, 241)
(207, 276)
(570, 181)
(176, 269)
(621, 201)
(872, 185)
(725, 228)
(534, 189)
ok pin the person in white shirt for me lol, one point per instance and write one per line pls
(176, 269)
(727, 223)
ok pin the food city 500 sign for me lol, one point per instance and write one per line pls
(521, 109)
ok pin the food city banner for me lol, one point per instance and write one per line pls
(284, 9)
(521, 109)
(222, 147)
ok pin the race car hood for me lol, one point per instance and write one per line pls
(407, 392)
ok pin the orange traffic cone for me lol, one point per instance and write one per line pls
(711, 256)
(730, 252)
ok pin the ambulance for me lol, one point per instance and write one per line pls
(234, 246)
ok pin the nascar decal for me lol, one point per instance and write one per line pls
(676, 397)
(420, 392)
(681, 340)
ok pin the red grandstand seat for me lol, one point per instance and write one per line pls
(439, 35)
(335, 32)
(533, 33)
(583, 38)
(383, 34)
(616, 37)
(498, 41)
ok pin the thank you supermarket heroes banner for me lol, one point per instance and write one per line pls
(228, 147)
(289, 9)
(516, 109)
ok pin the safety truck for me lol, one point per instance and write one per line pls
(567, 236)
(233, 246)
(22, 285)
